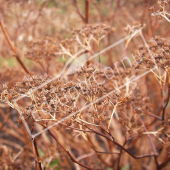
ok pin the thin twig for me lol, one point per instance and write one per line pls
(151, 142)
(111, 138)
(157, 117)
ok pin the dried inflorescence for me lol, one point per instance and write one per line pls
(46, 51)
(109, 112)
(42, 50)
(91, 95)
(59, 98)
(94, 31)
(82, 39)
(158, 53)
(130, 29)
(10, 76)
(162, 11)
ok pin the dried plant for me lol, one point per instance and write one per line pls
(162, 12)
(71, 111)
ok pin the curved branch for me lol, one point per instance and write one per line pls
(12, 47)
(78, 10)
(68, 153)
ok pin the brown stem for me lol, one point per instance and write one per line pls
(151, 142)
(159, 111)
(68, 153)
(157, 117)
(37, 18)
(12, 47)
(118, 163)
(78, 10)
(166, 104)
(5, 120)
(34, 145)
(98, 155)
(35, 150)
(111, 138)
(86, 11)
(37, 160)
(148, 18)
(163, 164)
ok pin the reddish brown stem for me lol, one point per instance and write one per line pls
(151, 142)
(118, 163)
(78, 10)
(37, 160)
(163, 164)
(68, 153)
(111, 138)
(86, 11)
(35, 150)
(12, 47)
(5, 120)
(166, 104)
(93, 147)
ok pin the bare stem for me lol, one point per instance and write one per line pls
(111, 138)
(35, 151)
(166, 104)
(78, 10)
(86, 11)
(37, 160)
(51, 131)
(12, 47)
(118, 163)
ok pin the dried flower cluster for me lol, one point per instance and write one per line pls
(157, 53)
(42, 51)
(100, 117)
(162, 12)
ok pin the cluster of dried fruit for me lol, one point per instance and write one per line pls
(42, 50)
(162, 12)
(103, 101)
(59, 99)
(158, 53)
